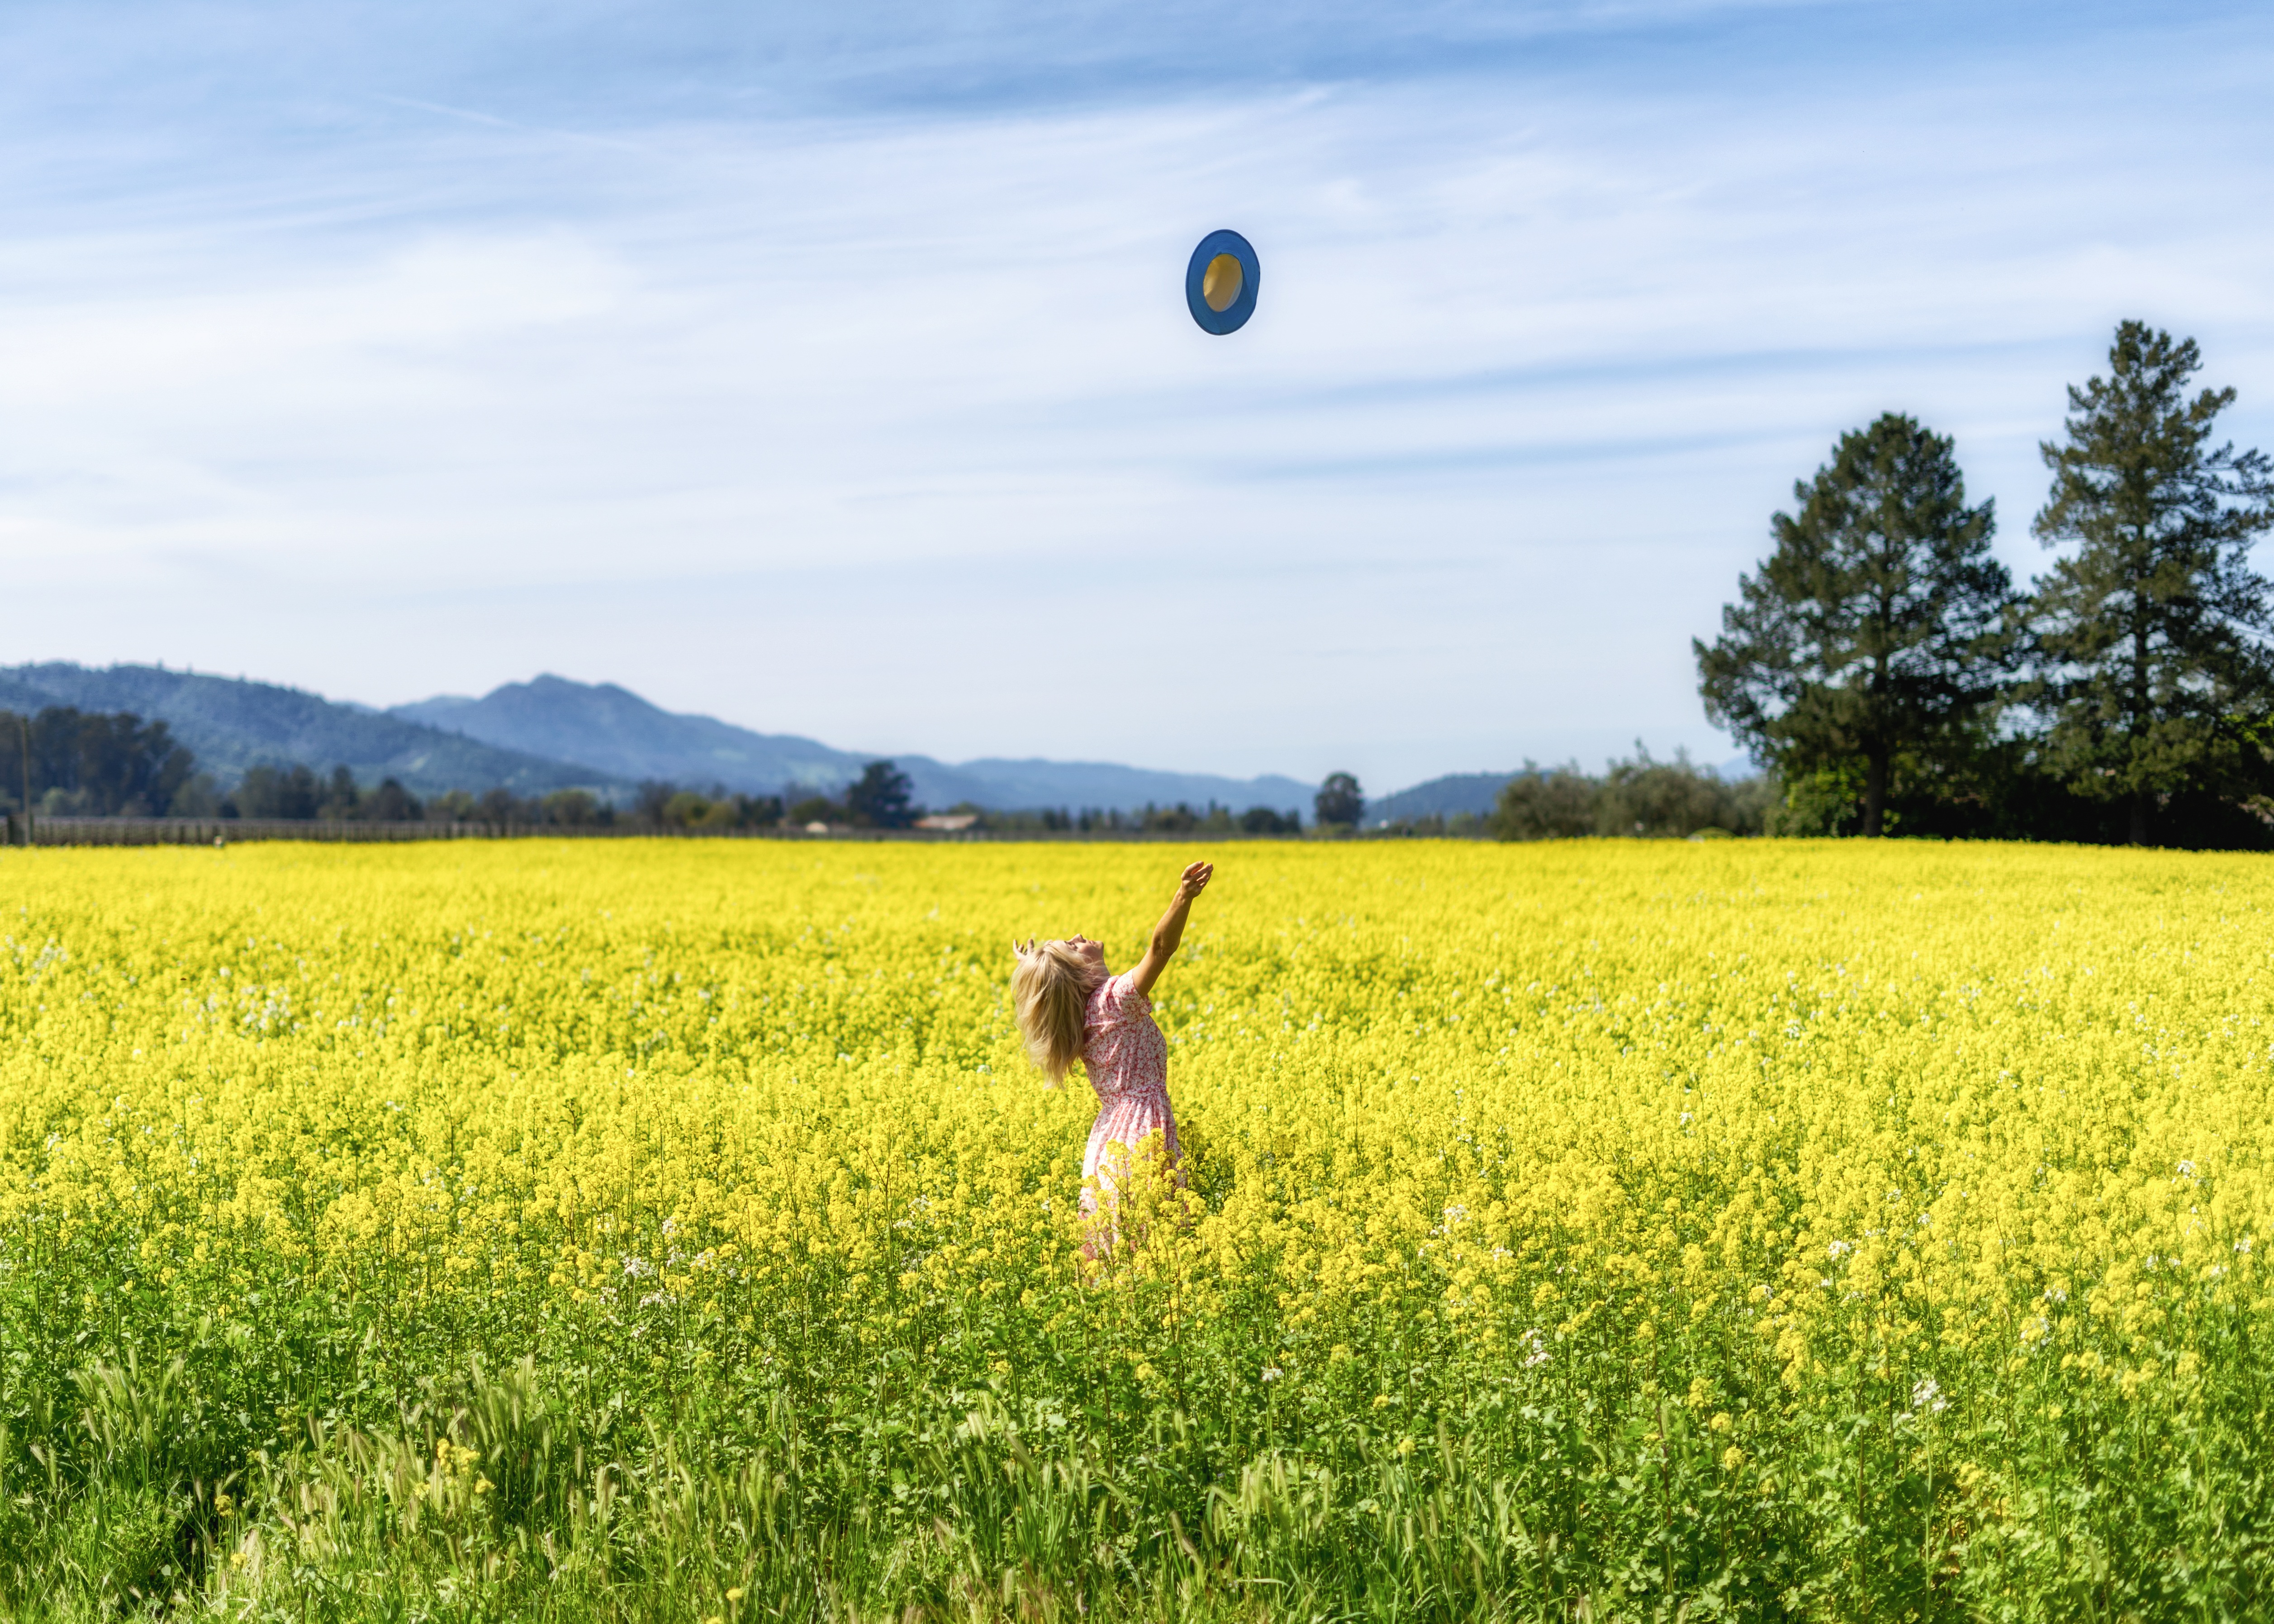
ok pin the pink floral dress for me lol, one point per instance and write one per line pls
(1128, 1063)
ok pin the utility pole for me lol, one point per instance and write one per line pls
(23, 760)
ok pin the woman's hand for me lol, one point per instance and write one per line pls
(1171, 930)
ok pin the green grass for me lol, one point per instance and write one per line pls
(515, 1489)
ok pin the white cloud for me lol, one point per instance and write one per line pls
(892, 429)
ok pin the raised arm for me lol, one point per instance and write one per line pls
(1171, 930)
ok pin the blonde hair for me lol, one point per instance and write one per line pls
(1050, 994)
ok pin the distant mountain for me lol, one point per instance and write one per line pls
(618, 732)
(552, 733)
(1018, 783)
(1458, 791)
(615, 730)
(232, 724)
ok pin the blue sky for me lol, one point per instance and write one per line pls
(825, 369)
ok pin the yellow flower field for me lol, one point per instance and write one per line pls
(1820, 1230)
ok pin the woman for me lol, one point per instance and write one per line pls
(1069, 1008)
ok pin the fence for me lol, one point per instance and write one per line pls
(210, 832)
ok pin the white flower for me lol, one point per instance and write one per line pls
(1272, 1372)
(1928, 1397)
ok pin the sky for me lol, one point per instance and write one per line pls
(826, 369)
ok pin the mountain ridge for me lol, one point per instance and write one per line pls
(1440, 797)
(554, 733)
(231, 724)
(619, 732)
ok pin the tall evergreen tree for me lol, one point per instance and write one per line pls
(878, 799)
(104, 765)
(1873, 634)
(2153, 635)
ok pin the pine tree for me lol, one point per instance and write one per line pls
(1874, 634)
(878, 799)
(2152, 635)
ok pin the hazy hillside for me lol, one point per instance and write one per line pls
(232, 724)
(616, 730)
(552, 733)
(1101, 784)
(1458, 791)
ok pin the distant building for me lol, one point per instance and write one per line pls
(948, 820)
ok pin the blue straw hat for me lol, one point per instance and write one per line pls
(1220, 283)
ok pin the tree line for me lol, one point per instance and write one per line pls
(82, 764)
(1181, 818)
(66, 762)
(1642, 797)
(882, 797)
(1882, 666)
